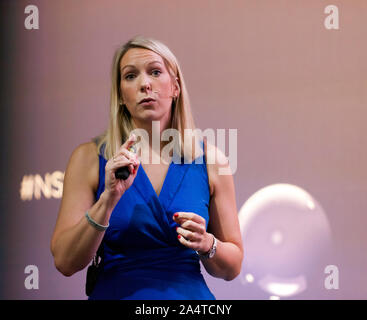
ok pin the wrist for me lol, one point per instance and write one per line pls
(210, 241)
(108, 200)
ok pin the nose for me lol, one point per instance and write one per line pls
(145, 85)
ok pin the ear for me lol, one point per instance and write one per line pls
(176, 88)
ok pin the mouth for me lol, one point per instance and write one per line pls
(146, 100)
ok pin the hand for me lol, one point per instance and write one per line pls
(115, 188)
(192, 231)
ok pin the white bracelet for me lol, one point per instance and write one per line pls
(96, 225)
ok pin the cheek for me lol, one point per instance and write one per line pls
(166, 87)
(127, 93)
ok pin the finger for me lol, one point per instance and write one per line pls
(129, 155)
(135, 170)
(187, 234)
(193, 226)
(131, 169)
(122, 162)
(178, 217)
(189, 216)
(125, 158)
(184, 241)
(134, 167)
(121, 157)
(129, 142)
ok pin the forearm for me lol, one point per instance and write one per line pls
(226, 263)
(75, 247)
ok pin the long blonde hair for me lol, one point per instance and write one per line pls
(120, 122)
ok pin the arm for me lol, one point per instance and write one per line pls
(223, 224)
(75, 241)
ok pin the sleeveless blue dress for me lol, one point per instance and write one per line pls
(142, 257)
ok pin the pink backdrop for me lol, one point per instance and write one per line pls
(294, 90)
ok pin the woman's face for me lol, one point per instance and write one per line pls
(145, 76)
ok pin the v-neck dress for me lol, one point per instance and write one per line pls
(142, 257)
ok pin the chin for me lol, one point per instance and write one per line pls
(151, 115)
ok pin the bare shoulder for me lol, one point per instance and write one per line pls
(217, 164)
(85, 158)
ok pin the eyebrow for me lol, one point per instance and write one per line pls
(130, 65)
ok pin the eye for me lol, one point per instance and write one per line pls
(156, 72)
(129, 76)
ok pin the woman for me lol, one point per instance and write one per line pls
(155, 226)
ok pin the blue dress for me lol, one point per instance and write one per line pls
(142, 257)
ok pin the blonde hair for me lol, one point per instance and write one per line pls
(120, 122)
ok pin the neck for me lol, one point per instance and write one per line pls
(154, 129)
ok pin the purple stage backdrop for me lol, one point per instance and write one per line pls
(289, 76)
